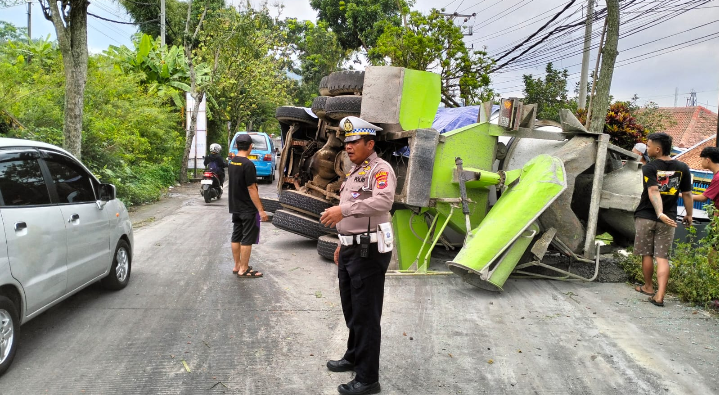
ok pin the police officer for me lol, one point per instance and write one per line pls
(366, 198)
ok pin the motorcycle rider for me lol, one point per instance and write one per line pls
(215, 163)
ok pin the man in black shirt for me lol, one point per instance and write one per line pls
(245, 207)
(655, 217)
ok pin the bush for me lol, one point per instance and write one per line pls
(693, 276)
(143, 184)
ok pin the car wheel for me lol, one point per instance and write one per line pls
(343, 106)
(9, 331)
(318, 106)
(327, 245)
(270, 204)
(121, 267)
(304, 203)
(297, 223)
(345, 83)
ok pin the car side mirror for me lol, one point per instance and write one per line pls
(107, 192)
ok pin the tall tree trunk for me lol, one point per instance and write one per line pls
(609, 56)
(71, 28)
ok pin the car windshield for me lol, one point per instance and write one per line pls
(259, 141)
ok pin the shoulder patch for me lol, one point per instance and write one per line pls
(381, 179)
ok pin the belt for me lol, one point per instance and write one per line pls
(355, 239)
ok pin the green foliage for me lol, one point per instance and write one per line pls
(10, 32)
(131, 137)
(246, 49)
(165, 69)
(694, 273)
(432, 42)
(622, 127)
(318, 54)
(550, 93)
(359, 23)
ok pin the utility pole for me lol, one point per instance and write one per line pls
(162, 22)
(466, 18)
(676, 96)
(29, 21)
(609, 57)
(585, 57)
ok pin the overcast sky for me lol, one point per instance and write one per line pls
(695, 67)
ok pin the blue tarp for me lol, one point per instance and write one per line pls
(449, 119)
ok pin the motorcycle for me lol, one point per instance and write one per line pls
(210, 186)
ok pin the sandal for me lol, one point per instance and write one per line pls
(641, 290)
(250, 274)
(655, 303)
(236, 271)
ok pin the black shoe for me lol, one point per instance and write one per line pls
(354, 387)
(342, 365)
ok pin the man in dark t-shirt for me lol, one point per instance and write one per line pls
(245, 207)
(655, 217)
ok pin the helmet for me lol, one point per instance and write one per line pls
(215, 148)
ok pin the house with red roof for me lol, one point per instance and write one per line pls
(689, 126)
(700, 177)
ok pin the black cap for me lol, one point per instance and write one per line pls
(243, 138)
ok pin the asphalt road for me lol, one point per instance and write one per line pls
(186, 325)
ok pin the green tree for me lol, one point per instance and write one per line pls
(650, 116)
(318, 54)
(147, 16)
(71, 30)
(434, 43)
(250, 80)
(10, 32)
(550, 93)
(359, 23)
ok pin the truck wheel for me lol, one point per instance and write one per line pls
(326, 246)
(270, 204)
(345, 83)
(121, 267)
(290, 115)
(343, 106)
(9, 331)
(318, 105)
(297, 223)
(304, 203)
(324, 90)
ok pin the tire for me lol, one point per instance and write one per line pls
(270, 204)
(297, 223)
(207, 194)
(304, 203)
(121, 268)
(326, 246)
(343, 106)
(345, 83)
(9, 333)
(289, 115)
(318, 105)
(324, 91)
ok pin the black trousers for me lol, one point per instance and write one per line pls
(362, 293)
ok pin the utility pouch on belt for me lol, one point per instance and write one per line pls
(385, 237)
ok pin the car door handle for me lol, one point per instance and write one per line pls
(74, 217)
(20, 226)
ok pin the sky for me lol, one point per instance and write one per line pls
(499, 23)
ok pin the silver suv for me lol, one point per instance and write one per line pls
(61, 231)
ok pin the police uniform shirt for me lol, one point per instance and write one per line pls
(368, 192)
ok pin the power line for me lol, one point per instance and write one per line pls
(121, 22)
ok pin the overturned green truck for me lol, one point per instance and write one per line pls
(502, 190)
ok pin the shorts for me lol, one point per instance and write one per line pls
(246, 228)
(653, 238)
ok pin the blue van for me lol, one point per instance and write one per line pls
(262, 155)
